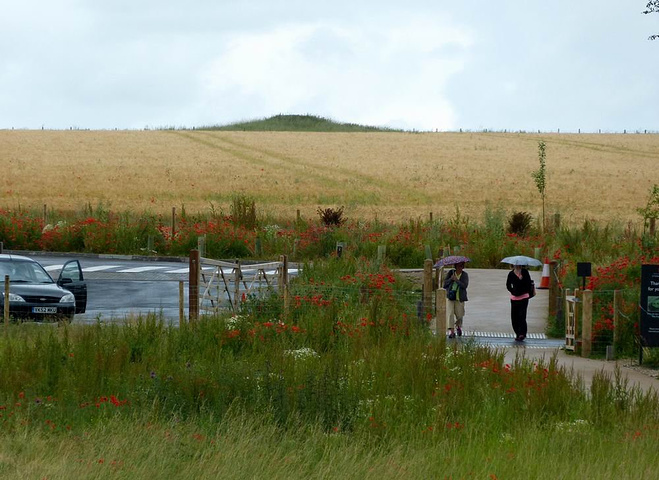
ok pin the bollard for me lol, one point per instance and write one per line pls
(6, 306)
(587, 323)
(181, 304)
(609, 353)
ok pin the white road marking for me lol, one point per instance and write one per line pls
(98, 268)
(141, 269)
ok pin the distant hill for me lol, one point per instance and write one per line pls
(295, 123)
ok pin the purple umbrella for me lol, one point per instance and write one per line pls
(451, 260)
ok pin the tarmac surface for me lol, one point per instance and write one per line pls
(487, 321)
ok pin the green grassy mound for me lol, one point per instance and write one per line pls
(295, 123)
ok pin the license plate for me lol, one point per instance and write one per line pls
(44, 309)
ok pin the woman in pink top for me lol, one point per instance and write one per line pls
(520, 285)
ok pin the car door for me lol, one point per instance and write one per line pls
(72, 279)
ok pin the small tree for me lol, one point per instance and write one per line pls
(652, 7)
(540, 177)
(651, 210)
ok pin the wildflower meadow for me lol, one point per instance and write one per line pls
(347, 381)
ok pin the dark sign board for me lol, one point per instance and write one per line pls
(650, 305)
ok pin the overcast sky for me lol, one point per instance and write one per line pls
(424, 65)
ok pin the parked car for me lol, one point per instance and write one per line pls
(33, 294)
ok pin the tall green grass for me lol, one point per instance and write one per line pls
(345, 383)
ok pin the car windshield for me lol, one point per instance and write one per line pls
(24, 272)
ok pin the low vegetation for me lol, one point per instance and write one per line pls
(334, 387)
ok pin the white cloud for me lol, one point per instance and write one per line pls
(368, 73)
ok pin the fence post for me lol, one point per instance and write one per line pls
(553, 291)
(652, 226)
(45, 215)
(427, 288)
(6, 306)
(181, 304)
(193, 293)
(201, 245)
(173, 222)
(587, 323)
(283, 282)
(237, 277)
(1, 246)
(440, 313)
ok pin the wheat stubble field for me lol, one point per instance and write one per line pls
(394, 176)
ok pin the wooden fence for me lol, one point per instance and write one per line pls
(217, 285)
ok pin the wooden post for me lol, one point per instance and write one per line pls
(237, 277)
(258, 248)
(553, 290)
(193, 293)
(440, 313)
(652, 226)
(45, 215)
(557, 221)
(283, 283)
(430, 217)
(617, 306)
(201, 245)
(587, 323)
(173, 222)
(570, 330)
(427, 289)
(6, 306)
(181, 304)
(2, 244)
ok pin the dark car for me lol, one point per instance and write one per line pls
(33, 294)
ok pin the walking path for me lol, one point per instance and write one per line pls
(487, 316)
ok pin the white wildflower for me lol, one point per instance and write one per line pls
(302, 353)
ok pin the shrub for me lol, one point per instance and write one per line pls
(519, 223)
(331, 217)
(243, 212)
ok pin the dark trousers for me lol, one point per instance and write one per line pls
(518, 315)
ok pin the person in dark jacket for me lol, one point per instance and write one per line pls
(456, 284)
(520, 285)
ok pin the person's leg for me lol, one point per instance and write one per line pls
(450, 312)
(523, 308)
(514, 316)
(459, 315)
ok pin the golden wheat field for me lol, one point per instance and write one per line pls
(391, 176)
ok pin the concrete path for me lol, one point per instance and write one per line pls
(487, 320)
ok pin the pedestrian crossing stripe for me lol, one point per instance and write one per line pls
(142, 269)
(99, 268)
(530, 336)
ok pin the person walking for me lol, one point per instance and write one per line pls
(456, 283)
(521, 288)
